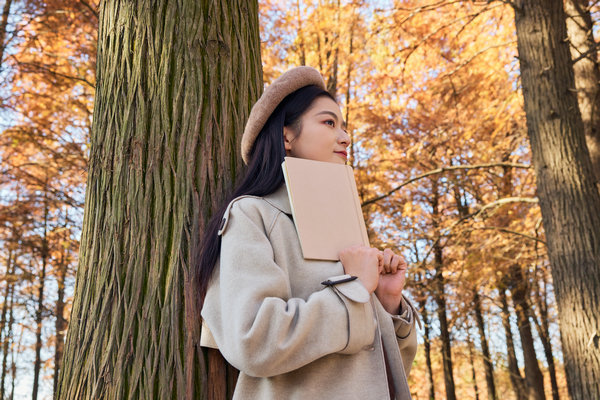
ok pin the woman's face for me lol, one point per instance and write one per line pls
(323, 135)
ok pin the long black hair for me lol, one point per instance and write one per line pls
(263, 175)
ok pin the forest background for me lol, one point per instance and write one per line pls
(431, 94)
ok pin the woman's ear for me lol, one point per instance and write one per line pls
(288, 138)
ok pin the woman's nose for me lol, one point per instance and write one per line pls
(344, 137)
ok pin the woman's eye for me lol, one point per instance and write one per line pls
(330, 122)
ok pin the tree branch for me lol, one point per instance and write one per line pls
(439, 171)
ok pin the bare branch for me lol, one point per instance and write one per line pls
(89, 6)
(44, 68)
(505, 230)
(439, 171)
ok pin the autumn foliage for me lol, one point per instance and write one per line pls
(431, 94)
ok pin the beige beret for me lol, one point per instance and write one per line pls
(287, 83)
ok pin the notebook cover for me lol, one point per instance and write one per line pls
(325, 207)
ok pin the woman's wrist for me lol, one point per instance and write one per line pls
(391, 304)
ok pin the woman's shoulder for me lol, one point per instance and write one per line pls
(259, 209)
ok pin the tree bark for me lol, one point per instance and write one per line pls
(534, 380)
(516, 379)
(487, 358)
(587, 75)
(176, 81)
(440, 299)
(569, 197)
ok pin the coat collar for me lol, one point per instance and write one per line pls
(280, 200)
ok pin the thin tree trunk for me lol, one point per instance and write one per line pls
(332, 82)
(580, 29)
(39, 314)
(473, 375)
(6, 292)
(7, 324)
(566, 186)
(516, 380)
(487, 358)
(7, 348)
(440, 299)
(60, 324)
(349, 91)
(463, 211)
(534, 380)
(427, 346)
(543, 329)
(176, 81)
(300, 34)
(3, 25)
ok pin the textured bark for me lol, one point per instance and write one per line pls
(587, 75)
(516, 379)
(440, 300)
(176, 81)
(569, 198)
(487, 358)
(534, 380)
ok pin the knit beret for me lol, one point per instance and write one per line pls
(286, 84)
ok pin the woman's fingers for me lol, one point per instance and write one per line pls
(381, 261)
(387, 261)
(392, 262)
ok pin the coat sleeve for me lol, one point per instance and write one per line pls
(259, 328)
(406, 333)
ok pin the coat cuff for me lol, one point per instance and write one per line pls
(404, 322)
(361, 318)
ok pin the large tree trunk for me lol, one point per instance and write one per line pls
(440, 298)
(176, 81)
(516, 380)
(519, 289)
(580, 29)
(487, 358)
(569, 198)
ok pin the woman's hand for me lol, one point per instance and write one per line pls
(364, 262)
(391, 281)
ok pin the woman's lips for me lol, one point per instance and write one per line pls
(342, 154)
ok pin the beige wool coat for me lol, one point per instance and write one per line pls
(290, 336)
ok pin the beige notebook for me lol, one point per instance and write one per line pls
(325, 206)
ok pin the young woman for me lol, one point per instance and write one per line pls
(296, 328)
